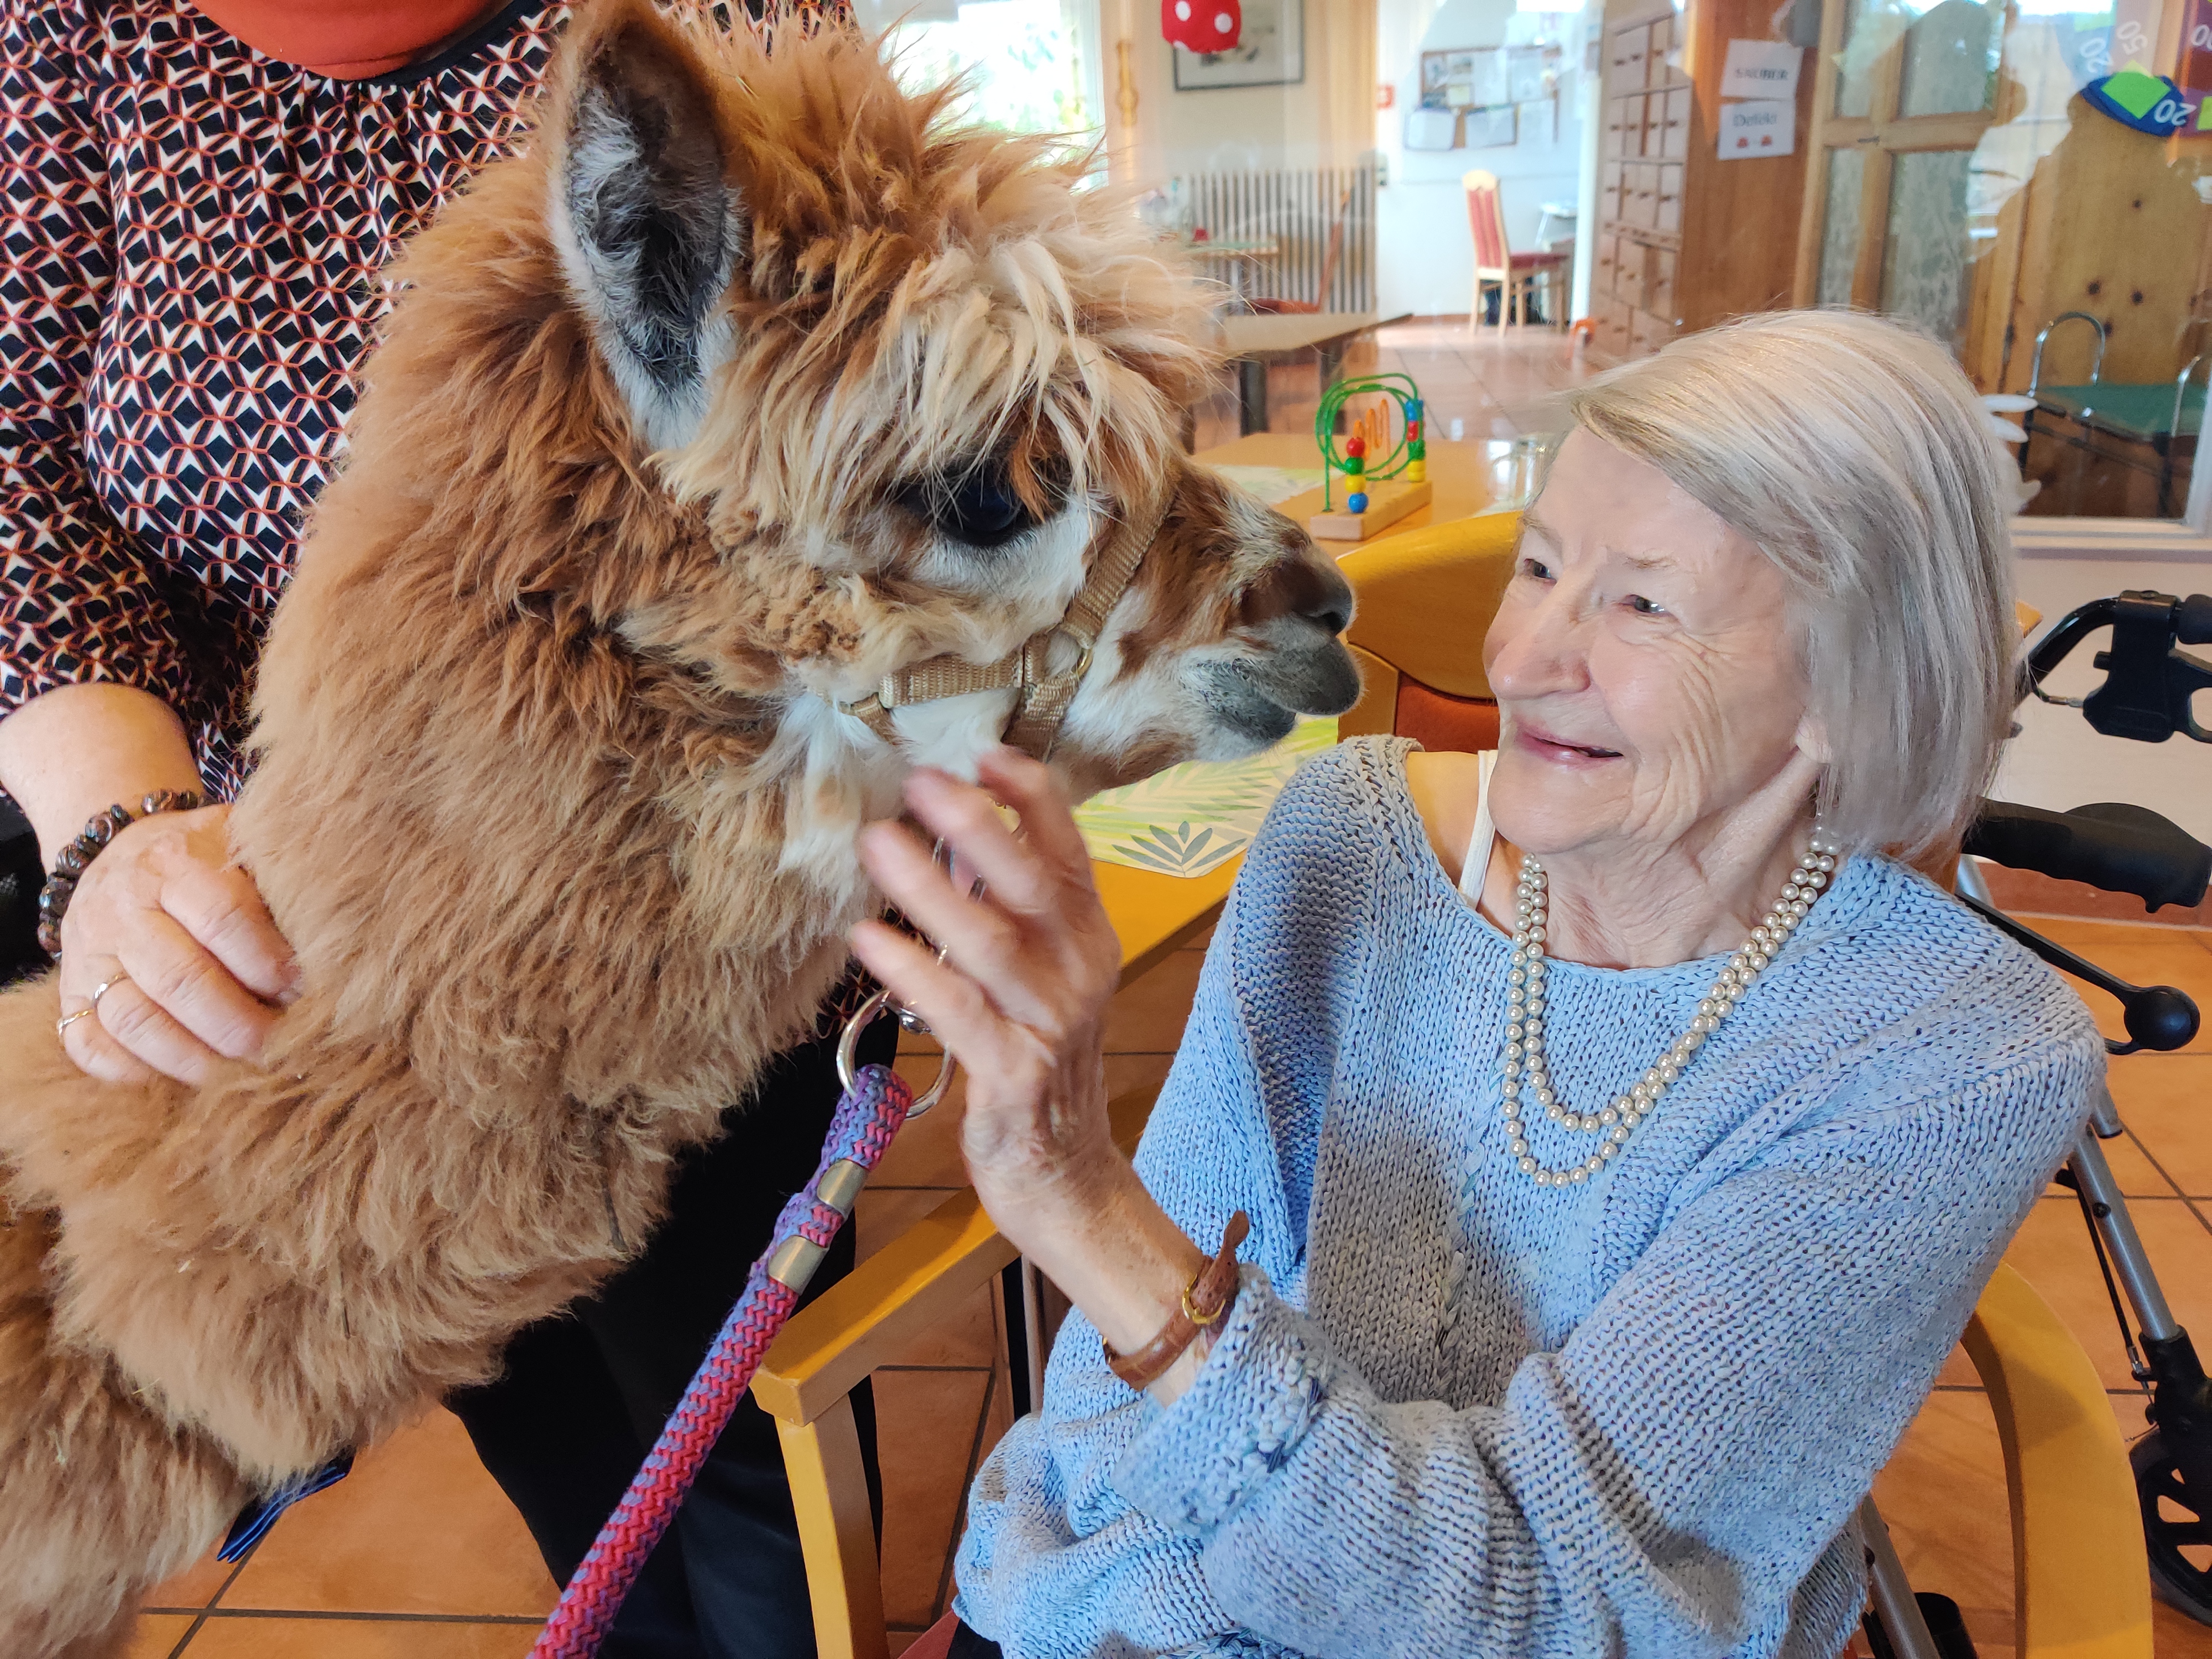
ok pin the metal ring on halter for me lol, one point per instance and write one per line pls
(848, 1041)
(848, 1044)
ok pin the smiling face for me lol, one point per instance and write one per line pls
(1646, 680)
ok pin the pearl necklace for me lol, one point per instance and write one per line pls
(1524, 1063)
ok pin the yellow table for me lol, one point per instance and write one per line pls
(1156, 915)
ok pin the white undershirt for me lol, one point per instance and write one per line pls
(1476, 870)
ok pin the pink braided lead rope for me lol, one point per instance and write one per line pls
(868, 1115)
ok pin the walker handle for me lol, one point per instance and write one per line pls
(2109, 844)
(2192, 620)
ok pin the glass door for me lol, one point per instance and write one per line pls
(1959, 178)
(1908, 99)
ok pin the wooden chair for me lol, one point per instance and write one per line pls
(1331, 256)
(2080, 1578)
(1425, 601)
(1495, 265)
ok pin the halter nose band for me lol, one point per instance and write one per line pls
(1043, 697)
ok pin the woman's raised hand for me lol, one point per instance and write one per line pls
(1020, 999)
(194, 968)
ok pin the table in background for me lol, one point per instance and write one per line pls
(1256, 342)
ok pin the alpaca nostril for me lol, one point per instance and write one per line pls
(1335, 618)
(1331, 606)
(1304, 584)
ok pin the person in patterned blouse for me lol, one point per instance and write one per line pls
(195, 203)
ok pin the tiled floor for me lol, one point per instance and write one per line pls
(417, 1556)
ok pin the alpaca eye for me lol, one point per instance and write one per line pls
(978, 506)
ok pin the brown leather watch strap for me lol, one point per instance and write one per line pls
(1211, 1295)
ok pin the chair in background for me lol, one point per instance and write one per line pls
(2142, 426)
(1331, 257)
(1495, 265)
(1424, 600)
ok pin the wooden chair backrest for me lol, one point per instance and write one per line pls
(2081, 1579)
(1424, 601)
(1486, 215)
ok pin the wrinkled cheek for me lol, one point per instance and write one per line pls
(1676, 723)
(1703, 737)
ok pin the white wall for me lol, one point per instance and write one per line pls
(1424, 252)
(1324, 119)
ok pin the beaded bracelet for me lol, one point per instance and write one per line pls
(62, 879)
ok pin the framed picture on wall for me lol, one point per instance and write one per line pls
(1270, 51)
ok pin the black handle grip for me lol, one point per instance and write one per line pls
(2157, 1017)
(2111, 845)
(2192, 620)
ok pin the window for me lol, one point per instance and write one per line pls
(1033, 65)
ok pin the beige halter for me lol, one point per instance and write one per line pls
(1043, 697)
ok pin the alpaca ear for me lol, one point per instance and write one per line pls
(648, 222)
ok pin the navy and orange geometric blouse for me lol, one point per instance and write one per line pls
(189, 239)
(190, 234)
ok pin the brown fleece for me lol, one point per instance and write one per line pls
(521, 806)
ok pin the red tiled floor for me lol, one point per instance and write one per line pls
(419, 1527)
(357, 1638)
(927, 1460)
(195, 1587)
(157, 1634)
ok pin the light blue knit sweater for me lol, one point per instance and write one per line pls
(1454, 1412)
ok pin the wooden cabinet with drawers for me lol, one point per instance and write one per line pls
(1684, 240)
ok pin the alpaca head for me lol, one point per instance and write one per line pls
(912, 378)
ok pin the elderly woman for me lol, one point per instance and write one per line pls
(1625, 1132)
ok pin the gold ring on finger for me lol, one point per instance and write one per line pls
(62, 1025)
(105, 986)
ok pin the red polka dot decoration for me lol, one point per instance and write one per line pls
(1202, 25)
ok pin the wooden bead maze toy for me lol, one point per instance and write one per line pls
(1383, 479)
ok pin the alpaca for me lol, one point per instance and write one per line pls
(751, 384)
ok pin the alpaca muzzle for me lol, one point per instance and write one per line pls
(1042, 697)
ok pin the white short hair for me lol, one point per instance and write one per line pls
(1854, 452)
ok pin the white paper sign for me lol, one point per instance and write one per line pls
(1759, 126)
(1430, 128)
(1761, 68)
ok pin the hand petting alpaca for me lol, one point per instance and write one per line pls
(1019, 999)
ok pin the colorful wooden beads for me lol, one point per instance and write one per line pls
(1417, 445)
(1355, 472)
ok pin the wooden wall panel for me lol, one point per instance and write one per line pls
(2112, 228)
